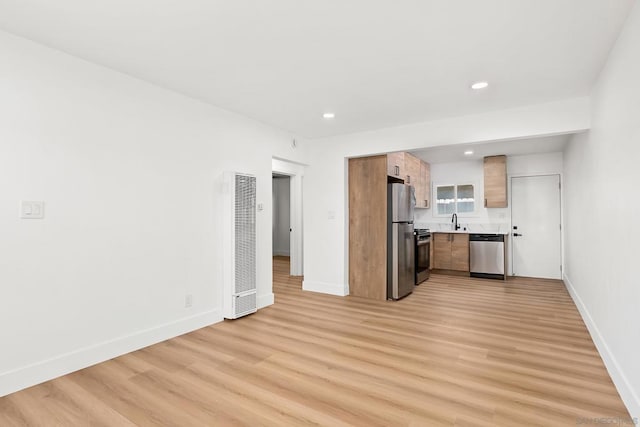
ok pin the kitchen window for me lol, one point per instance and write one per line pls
(455, 198)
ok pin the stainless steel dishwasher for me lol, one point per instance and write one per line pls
(487, 256)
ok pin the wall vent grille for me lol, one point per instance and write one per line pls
(245, 230)
(239, 240)
(245, 304)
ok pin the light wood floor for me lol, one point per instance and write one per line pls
(457, 351)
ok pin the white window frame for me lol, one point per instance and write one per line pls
(474, 213)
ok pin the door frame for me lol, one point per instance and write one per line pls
(295, 171)
(510, 196)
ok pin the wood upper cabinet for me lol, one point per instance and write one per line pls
(495, 182)
(451, 251)
(396, 165)
(423, 189)
(412, 171)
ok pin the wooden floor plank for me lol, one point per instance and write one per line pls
(458, 351)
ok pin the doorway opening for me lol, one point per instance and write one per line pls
(287, 180)
(281, 186)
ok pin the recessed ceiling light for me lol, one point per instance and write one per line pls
(329, 115)
(479, 85)
(468, 153)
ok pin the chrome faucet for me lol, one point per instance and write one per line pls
(454, 221)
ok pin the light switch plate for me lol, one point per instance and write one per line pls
(31, 209)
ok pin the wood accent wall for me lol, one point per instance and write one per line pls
(368, 227)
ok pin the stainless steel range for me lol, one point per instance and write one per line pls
(423, 249)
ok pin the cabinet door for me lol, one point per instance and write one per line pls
(412, 170)
(420, 188)
(395, 165)
(368, 227)
(442, 251)
(425, 184)
(495, 182)
(460, 252)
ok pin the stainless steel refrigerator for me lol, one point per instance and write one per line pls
(400, 241)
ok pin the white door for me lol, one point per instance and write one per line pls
(535, 220)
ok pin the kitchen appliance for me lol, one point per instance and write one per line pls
(487, 256)
(422, 251)
(400, 241)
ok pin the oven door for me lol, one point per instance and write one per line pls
(422, 260)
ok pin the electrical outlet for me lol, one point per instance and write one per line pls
(31, 210)
(188, 301)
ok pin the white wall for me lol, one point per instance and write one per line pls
(469, 172)
(472, 171)
(326, 222)
(281, 214)
(602, 231)
(130, 175)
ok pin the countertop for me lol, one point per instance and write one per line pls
(504, 233)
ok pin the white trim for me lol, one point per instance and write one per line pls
(623, 385)
(46, 370)
(265, 300)
(325, 288)
(296, 172)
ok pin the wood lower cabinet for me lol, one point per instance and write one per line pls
(442, 251)
(460, 252)
(368, 227)
(451, 251)
(495, 182)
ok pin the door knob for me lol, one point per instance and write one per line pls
(516, 234)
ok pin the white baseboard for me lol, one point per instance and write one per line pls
(325, 288)
(625, 388)
(46, 370)
(264, 300)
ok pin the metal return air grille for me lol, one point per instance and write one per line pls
(245, 234)
(245, 304)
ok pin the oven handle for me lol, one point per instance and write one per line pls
(423, 242)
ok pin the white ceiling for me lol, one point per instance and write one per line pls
(374, 63)
(512, 147)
